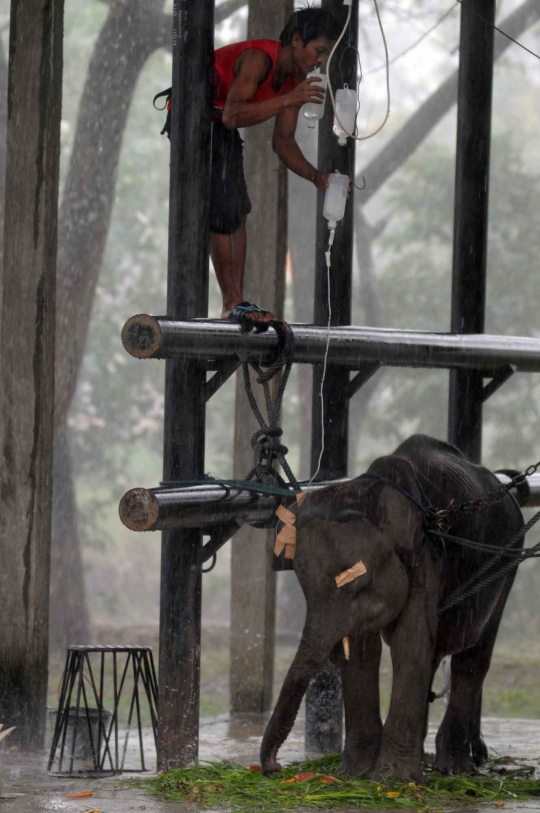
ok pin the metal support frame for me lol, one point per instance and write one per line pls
(193, 347)
(330, 413)
(366, 372)
(475, 84)
(497, 381)
(224, 371)
(185, 379)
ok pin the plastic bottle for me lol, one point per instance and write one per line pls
(345, 118)
(312, 111)
(335, 199)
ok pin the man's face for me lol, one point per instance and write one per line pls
(312, 55)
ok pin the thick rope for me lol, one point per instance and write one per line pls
(266, 444)
(434, 519)
(479, 580)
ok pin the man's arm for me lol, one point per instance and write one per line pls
(285, 146)
(241, 111)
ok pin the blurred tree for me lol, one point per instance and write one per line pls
(414, 252)
(132, 31)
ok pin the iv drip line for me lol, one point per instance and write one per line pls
(327, 254)
(387, 63)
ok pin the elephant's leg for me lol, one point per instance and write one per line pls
(478, 746)
(363, 725)
(311, 657)
(412, 646)
(460, 729)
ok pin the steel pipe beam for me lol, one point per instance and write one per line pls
(206, 506)
(146, 336)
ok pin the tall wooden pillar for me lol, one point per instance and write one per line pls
(253, 584)
(475, 85)
(3, 125)
(330, 418)
(187, 297)
(27, 320)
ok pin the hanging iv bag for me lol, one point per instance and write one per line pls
(345, 115)
(335, 198)
(312, 111)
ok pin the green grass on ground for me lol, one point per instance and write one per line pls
(224, 784)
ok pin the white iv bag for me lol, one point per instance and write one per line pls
(312, 111)
(335, 198)
(345, 115)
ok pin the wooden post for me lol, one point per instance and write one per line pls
(253, 584)
(187, 297)
(323, 699)
(3, 125)
(475, 85)
(27, 320)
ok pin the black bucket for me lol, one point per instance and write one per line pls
(81, 735)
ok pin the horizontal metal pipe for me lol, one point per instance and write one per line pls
(213, 341)
(154, 509)
(206, 506)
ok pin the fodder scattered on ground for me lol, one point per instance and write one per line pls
(316, 784)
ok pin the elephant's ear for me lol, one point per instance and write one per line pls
(405, 522)
(337, 503)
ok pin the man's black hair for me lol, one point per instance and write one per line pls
(310, 23)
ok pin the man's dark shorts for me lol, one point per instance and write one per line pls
(229, 200)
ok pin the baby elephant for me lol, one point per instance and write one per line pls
(399, 577)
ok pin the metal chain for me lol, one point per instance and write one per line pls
(487, 500)
(438, 523)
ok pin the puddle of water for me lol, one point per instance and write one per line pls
(220, 738)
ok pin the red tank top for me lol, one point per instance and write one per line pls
(224, 59)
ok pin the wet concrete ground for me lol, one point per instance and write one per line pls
(27, 788)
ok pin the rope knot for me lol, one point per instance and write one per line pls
(267, 448)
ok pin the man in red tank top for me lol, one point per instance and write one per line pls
(255, 81)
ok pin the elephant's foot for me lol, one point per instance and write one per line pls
(358, 762)
(404, 770)
(269, 763)
(479, 750)
(453, 763)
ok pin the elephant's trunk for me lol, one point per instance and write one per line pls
(310, 658)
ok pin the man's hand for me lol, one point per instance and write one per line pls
(320, 179)
(310, 90)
